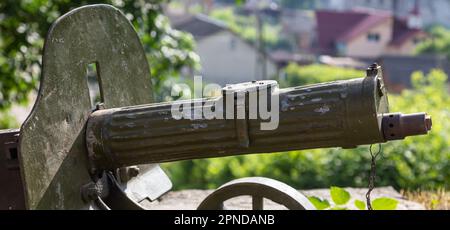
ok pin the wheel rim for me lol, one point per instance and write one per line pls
(258, 188)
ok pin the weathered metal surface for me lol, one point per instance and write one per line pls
(117, 199)
(11, 187)
(258, 188)
(338, 114)
(93, 191)
(52, 141)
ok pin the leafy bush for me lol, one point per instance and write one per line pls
(303, 75)
(341, 199)
(437, 43)
(7, 120)
(245, 27)
(416, 162)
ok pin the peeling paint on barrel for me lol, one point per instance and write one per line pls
(322, 110)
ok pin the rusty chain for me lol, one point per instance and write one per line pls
(372, 174)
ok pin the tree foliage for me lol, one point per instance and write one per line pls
(302, 75)
(24, 24)
(341, 198)
(437, 43)
(245, 27)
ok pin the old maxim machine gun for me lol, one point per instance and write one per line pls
(67, 156)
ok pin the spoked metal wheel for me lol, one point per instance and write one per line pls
(259, 188)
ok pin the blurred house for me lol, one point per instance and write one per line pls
(224, 56)
(432, 11)
(344, 5)
(367, 33)
(397, 70)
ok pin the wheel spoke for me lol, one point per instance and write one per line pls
(257, 202)
(258, 188)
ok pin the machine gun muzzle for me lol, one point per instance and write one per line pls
(336, 114)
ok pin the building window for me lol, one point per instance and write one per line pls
(373, 37)
(341, 49)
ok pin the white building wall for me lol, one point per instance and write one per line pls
(226, 59)
(432, 11)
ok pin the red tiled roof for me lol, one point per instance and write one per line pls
(335, 26)
(402, 32)
(364, 25)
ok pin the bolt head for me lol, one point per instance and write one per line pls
(374, 66)
(372, 71)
